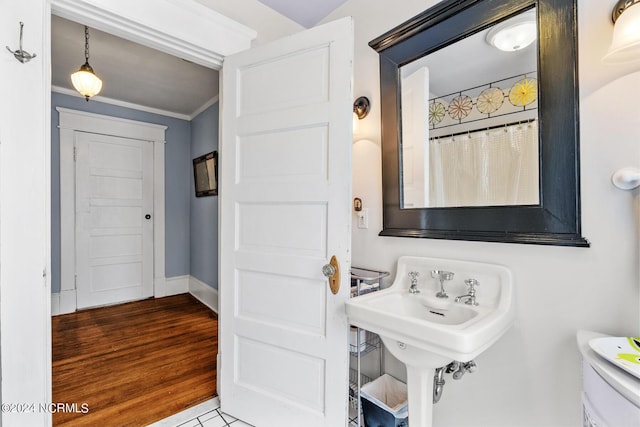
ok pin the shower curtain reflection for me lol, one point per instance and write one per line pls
(493, 167)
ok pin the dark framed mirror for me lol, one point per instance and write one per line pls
(468, 101)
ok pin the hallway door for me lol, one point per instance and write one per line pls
(285, 197)
(114, 219)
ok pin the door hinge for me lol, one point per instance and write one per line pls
(75, 154)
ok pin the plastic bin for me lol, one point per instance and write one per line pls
(384, 402)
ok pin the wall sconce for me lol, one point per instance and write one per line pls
(85, 80)
(361, 107)
(625, 46)
(514, 34)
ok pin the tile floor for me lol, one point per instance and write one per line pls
(206, 414)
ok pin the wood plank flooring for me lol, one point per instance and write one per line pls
(134, 363)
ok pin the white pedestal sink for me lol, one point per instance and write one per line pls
(426, 332)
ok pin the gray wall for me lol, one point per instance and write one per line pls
(204, 210)
(178, 181)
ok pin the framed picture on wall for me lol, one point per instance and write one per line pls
(205, 174)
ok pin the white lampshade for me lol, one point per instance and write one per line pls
(86, 82)
(513, 37)
(625, 46)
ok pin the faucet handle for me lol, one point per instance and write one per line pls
(471, 284)
(413, 289)
(442, 275)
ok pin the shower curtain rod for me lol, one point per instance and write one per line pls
(519, 122)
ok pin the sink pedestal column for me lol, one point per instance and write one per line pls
(421, 366)
(420, 396)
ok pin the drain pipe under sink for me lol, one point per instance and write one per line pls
(438, 384)
(458, 369)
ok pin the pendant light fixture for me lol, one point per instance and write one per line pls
(85, 80)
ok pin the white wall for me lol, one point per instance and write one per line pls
(531, 377)
(24, 214)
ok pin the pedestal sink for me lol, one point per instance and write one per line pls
(426, 332)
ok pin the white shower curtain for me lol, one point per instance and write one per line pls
(493, 167)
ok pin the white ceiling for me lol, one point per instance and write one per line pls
(131, 73)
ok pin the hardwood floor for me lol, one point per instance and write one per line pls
(134, 363)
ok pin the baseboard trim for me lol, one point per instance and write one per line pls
(55, 304)
(64, 302)
(204, 293)
(174, 286)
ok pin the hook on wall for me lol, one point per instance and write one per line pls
(21, 55)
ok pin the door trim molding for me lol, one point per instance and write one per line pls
(72, 121)
(188, 30)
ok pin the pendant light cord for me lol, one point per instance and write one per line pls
(86, 44)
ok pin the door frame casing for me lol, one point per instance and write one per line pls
(26, 337)
(186, 29)
(70, 122)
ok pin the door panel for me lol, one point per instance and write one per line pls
(303, 156)
(285, 197)
(285, 88)
(114, 240)
(261, 228)
(295, 378)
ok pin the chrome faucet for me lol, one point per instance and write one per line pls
(470, 297)
(442, 276)
(414, 282)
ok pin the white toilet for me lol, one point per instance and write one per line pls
(610, 395)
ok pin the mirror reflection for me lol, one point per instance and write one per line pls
(469, 121)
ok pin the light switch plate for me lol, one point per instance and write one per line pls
(363, 218)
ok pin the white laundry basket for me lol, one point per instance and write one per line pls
(384, 402)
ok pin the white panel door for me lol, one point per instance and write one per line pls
(285, 197)
(114, 222)
(415, 139)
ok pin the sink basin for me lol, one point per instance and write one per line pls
(410, 306)
(453, 330)
(426, 332)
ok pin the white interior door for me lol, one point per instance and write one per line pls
(415, 139)
(114, 222)
(285, 197)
